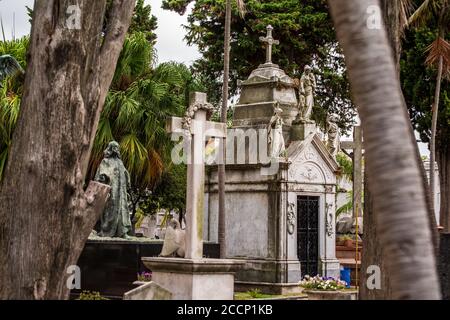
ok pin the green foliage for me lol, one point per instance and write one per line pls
(345, 237)
(254, 293)
(419, 83)
(91, 295)
(143, 21)
(10, 97)
(170, 193)
(346, 207)
(141, 97)
(304, 29)
(346, 165)
(139, 101)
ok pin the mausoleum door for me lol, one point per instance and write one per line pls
(308, 234)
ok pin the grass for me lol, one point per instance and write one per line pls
(255, 294)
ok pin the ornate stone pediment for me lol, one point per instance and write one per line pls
(311, 162)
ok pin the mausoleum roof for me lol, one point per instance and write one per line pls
(297, 147)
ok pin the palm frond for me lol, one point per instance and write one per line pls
(345, 208)
(406, 10)
(134, 154)
(424, 13)
(346, 165)
(440, 48)
(3, 159)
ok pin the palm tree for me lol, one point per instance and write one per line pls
(438, 55)
(392, 166)
(140, 99)
(223, 118)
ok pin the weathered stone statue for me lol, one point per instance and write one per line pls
(174, 241)
(333, 134)
(306, 90)
(115, 221)
(275, 134)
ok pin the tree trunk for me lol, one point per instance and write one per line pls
(371, 254)
(443, 161)
(372, 249)
(434, 119)
(392, 166)
(223, 118)
(46, 215)
(391, 15)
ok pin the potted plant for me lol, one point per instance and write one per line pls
(346, 240)
(325, 288)
(143, 278)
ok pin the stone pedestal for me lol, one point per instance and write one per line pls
(300, 131)
(187, 279)
(331, 268)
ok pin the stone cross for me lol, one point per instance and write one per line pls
(269, 41)
(357, 146)
(195, 139)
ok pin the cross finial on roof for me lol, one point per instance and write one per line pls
(269, 41)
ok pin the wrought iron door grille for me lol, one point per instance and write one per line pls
(308, 234)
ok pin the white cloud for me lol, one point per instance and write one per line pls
(170, 45)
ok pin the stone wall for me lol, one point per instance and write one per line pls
(111, 267)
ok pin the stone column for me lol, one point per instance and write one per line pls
(195, 190)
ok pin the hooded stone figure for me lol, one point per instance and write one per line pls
(115, 221)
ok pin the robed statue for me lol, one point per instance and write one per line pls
(115, 221)
(333, 134)
(307, 90)
(275, 134)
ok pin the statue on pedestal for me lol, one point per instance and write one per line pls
(275, 134)
(306, 94)
(333, 134)
(115, 220)
(174, 241)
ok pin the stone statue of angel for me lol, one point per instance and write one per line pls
(275, 134)
(174, 240)
(333, 134)
(306, 92)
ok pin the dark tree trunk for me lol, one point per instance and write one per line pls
(443, 161)
(372, 253)
(391, 15)
(45, 214)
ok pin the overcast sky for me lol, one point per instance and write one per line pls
(170, 45)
